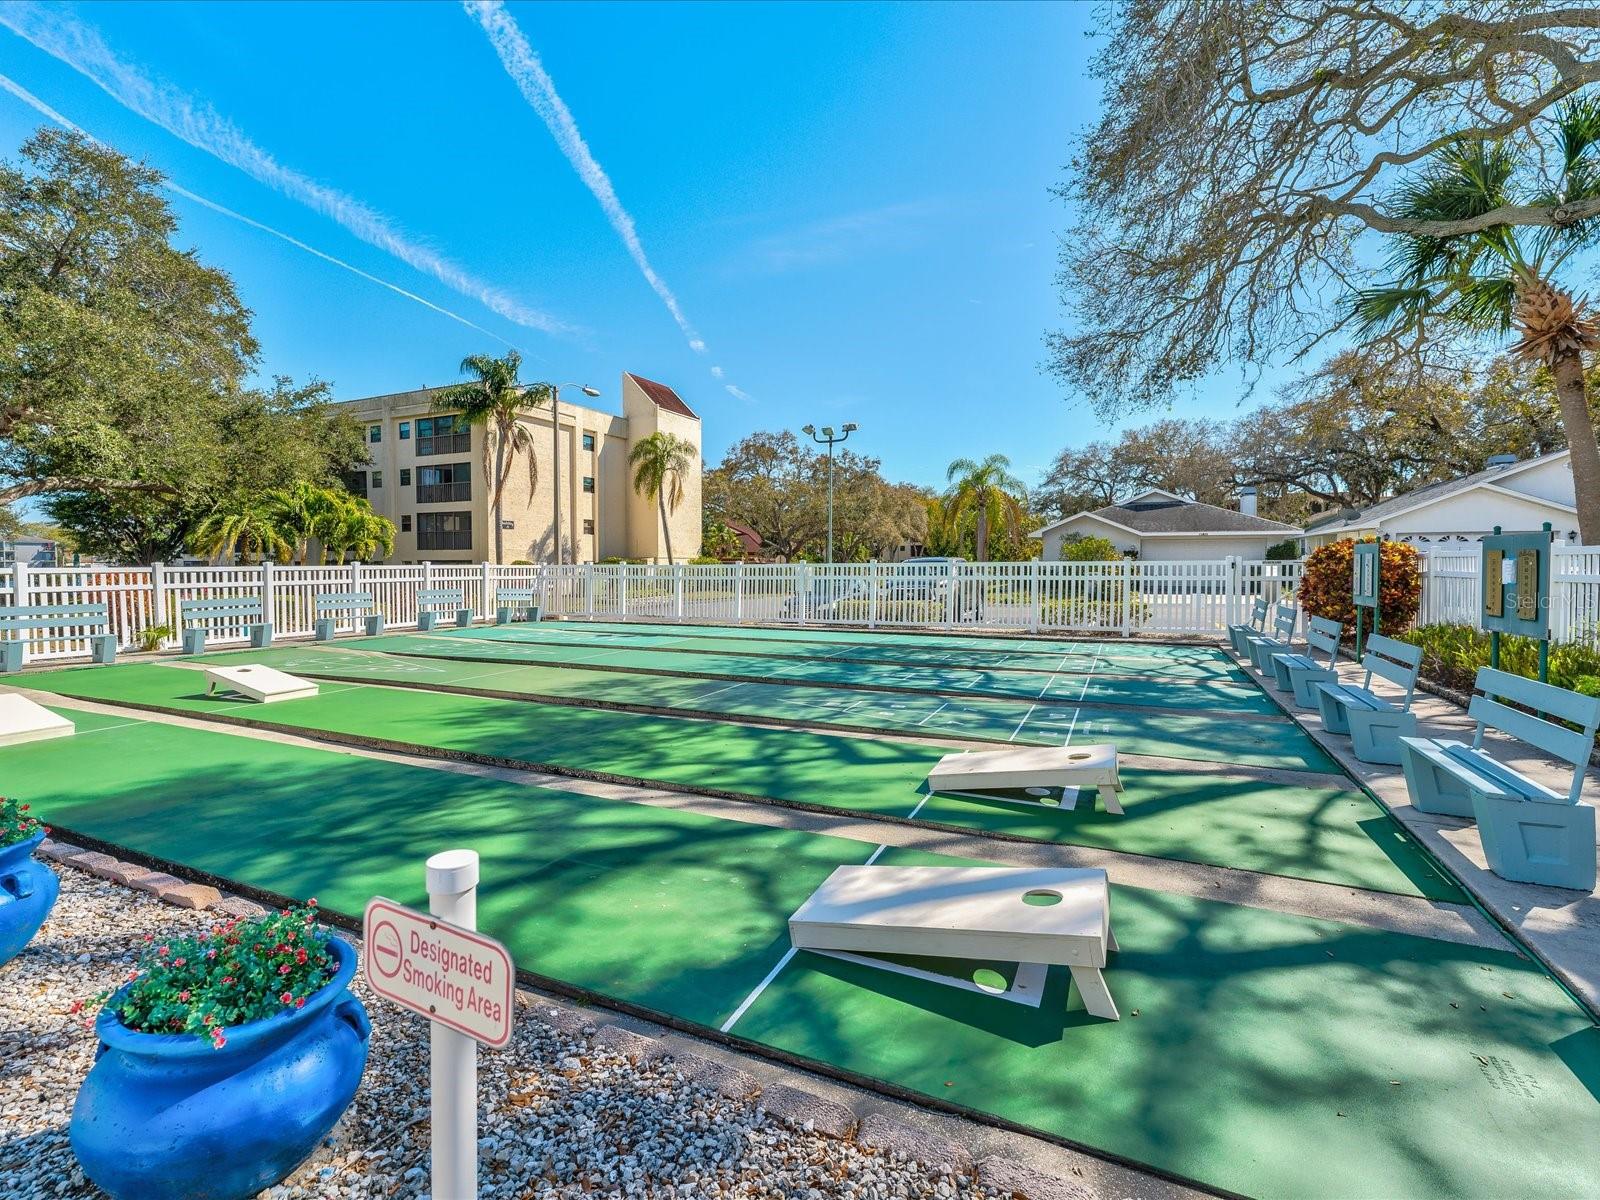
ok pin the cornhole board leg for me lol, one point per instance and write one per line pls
(21, 720)
(1027, 986)
(264, 685)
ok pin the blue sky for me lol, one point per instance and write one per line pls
(848, 203)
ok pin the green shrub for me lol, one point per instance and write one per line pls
(1452, 654)
(705, 560)
(1089, 549)
(15, 823)
(1326, 587)
(1092, 614)
(151, 637)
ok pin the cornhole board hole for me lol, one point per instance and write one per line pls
(261, 684)
(1037, 917)
(1035, 769)
(21, 720)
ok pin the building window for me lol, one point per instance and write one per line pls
(588, 483)
(405, 431)
(444, 484)
(588, 441)
(443, 435)
(588, 526)
(355, 482)
(377, 480)
(405, 523)
(405, 476)
(375, 434)
(444, 531)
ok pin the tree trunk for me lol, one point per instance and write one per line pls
(666, 530)
(499, 495)
(1568, 372)
(982, 547)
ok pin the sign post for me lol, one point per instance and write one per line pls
(1516, 591)
(436, 964)
(1365, 561)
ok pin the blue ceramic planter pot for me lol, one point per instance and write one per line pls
(28, 892)
(168, 1117)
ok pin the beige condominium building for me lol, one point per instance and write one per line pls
(425, 473)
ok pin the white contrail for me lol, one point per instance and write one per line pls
(38, 105)
(58, 34)
(528, 73)
(738, 393)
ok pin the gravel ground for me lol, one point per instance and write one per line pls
(559, 1117)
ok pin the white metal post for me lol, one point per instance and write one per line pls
(677, 590)
(453, 1069)
(1127, 596)
(738, 591)
(19, 594)
(267, 600)
(158, 596)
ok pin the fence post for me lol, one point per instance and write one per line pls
(427, 576)
(1127, 596)
(677, 590)
(738, 592)
(872, 596)
(1033, 596)
(268, 599)
(487, 601)
(1232, 584)
(19, 594)
(950, 603)
(158, 596)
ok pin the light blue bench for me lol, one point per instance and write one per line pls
(1299, 673)
(55, 622)
(431, 600)
(1530, 833)
(358, 604)
(1374, 725)
(1255, 625)
(1260, 648)
(233, 610)
(515, 604)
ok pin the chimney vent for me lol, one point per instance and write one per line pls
(1247, 501)
(1502, 460)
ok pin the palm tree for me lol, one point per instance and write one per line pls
(988, 490)
(355, 528)
(945, 534)
(496, 399)
(302, 513)
(659, 462)
(1504, 278)
(243, 526)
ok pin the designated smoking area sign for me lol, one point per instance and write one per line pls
(437, 964)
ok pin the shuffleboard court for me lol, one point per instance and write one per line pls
(1327, 834)
(1084, 686)
(566, 633)
(1279, 744)
(1261, 1053)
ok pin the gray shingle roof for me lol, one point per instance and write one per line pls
(1188, 516)
(1438, 491)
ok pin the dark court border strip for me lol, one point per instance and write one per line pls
(1214, 714)
(597, 999)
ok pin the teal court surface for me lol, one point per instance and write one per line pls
(1263, 1049)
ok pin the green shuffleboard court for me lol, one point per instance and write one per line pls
(1085, 686)
(1260, 1053)
(1329, 834)
(1173, 735)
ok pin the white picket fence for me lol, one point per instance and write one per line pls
(1111, 599)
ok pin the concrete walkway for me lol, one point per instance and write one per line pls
(1559, 926)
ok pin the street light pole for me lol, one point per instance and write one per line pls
(555, 454)
(829, 440)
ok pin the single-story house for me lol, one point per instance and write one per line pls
(1158, 526)
(1513, 495)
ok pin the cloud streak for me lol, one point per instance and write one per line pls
(539, 90)
(194, 121)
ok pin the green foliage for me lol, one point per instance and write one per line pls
(1284, 551)
(705, 560)
(1452, 654)
(15, 823)
(720, 542)
(1089, 549)
(151, 637)
(659, 464)
(240, 971)
(996, 498)
(283, 522)
(1327, 585)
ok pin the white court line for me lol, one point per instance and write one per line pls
(1024, 721)
(934, 713)
(744, 1005)
(1074, 725)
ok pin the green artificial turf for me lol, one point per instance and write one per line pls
(1263, 1053)
(1324, 834)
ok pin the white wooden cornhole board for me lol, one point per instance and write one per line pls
(21, 720)
(1033, 916)
(261, 684)
(1036, 769)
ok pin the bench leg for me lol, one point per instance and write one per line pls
(464, 618)
(194, 641)
(426, 621)
(1531, 842)
(103, 648)
(1281, 677)
(502, 616)
(1305, 685)
(1334, 719)
(374, 626)
(324, 629)
(10, 656)
(1432, 790)
(1097, 999)
(1375, 736)
(261, 636)
(534, 613)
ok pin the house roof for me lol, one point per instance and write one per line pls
(1432, 493)
(750, 538)
(1177, 519)
(662, 396)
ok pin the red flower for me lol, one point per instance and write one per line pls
(300, 1003)
(219, 1041)
(287, 997)
(77, 1007)
(183, 996)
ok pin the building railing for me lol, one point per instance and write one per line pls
(443, 493)
(1110, 599)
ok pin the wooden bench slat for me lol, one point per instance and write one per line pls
(53, 610)
(61, 623)
(1569, 744)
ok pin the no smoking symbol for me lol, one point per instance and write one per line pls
(386, 952)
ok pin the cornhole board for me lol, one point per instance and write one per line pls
(1037, 917)
(261, 684)
(21, 720)
(1035, 769)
